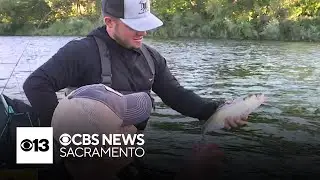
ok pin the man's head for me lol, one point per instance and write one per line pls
(128, 20)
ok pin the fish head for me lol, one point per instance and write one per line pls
(259, 97)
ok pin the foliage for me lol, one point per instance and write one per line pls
(68, 27)
(294, 20)
(16, 14)
(242, 19)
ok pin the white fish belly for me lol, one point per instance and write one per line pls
(237, 108)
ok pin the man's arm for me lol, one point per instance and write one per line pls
(177, 97)
(60, 71)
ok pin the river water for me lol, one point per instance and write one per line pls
(282, 138)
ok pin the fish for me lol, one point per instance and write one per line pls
(242, 106)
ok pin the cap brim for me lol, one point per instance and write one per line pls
(146, 23)
(138, 108)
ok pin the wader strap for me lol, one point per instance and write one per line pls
(149, 59)
(105, 62)
(151, 64)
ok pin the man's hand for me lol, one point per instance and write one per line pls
(234, 122)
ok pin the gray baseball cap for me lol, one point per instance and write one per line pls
(134, 13)
(98, 108)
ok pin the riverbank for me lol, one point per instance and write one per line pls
(279, 20)
(302, 30)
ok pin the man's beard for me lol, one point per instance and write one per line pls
(120, 41)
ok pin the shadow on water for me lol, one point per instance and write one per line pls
(282, 138)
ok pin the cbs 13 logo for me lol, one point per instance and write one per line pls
(36, 145)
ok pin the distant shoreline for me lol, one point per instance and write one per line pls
(148, 37)
(69, 30)
(281, 20)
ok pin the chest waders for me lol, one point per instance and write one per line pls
(106, 75)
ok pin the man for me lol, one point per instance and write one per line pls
(78, 63)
